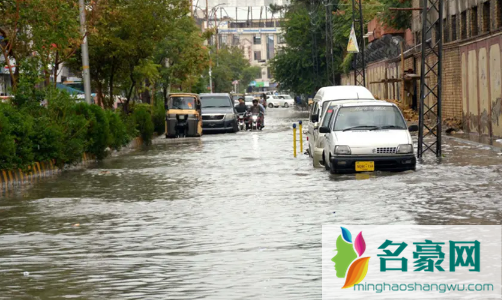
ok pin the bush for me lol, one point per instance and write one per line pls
(159, 117)
(22, 130)
(143, 122)
(119, 136)
(98, 129)
(63, 117)
(7, 141)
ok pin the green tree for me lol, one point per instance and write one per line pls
(230, 65)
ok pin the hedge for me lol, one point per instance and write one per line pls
(66, 129)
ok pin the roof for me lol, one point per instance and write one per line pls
(70, 90)
(214, 94)
(182, 94)
(343, 92)
(355, 102)
(368, 103)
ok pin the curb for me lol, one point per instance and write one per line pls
(466, 141)
(14, 178)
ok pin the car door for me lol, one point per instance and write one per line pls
(326, 121)
(311, 129)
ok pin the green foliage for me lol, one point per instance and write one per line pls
(98, 129)
(143, 122)
(21, 129)
(396, 19)
(7, 140)
(119, 137)
(231, 65)
(159, 117)
(301, 67)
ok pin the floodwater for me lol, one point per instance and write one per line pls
(227, 216)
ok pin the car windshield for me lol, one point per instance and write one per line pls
(215, 101)
(369, 118)
(182, 103)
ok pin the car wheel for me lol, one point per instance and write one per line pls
(286, 105)
(270, 105)
(326, 165)
(332, 168)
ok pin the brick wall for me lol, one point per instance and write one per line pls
(452, 90)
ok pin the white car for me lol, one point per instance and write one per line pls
(321, 100)
(280, 101)
(366, 137)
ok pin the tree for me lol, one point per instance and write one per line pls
(396, 19)
(47, 30)
(231, 65)
(301, 66)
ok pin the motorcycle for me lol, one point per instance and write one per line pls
(181, 126)
(255, 122)
(242, 124)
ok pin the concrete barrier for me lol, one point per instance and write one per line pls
(10, 179)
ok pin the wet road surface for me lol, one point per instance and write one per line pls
(228, 216)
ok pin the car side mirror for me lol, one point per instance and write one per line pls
(324, 129)
(314, 118)
(413, 128)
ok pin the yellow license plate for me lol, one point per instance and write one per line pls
(365, 166)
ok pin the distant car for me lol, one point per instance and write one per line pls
(280, 101)
(367, 136)
(218, 113)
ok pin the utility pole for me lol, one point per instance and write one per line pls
(85, 54)
(210, 61)
(359, 60)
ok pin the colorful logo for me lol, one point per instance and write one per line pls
(348, 261)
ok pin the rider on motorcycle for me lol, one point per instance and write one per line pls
(241, 107)
(257, 108)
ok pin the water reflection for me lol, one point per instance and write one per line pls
(226, 216)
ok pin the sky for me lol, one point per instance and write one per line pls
(231, 8)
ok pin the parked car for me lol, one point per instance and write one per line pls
(279, 101)
(319, 105)
(328, 110)
(218, 113)
(366, 137)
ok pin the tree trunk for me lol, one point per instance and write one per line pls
(99, 87)
(145, 95)
(13, 78)
(56, 69)
(112, 75)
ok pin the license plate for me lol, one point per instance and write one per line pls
(365, 166)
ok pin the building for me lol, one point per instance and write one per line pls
(259, 41)
(472, 65)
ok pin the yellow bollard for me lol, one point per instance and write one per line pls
(301, 137)
(294, 139)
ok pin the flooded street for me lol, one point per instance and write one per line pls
(227, 216)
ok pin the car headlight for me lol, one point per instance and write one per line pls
(229, 117)
(342, 150)
(404, 149)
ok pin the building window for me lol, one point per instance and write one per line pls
(474, 21)
(486, 16)
(235, 40)
(281, 39)
(463, 21)
(257, 55)
(446, 32)
(257, 40)
(454, 27)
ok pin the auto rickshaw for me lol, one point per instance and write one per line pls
(183, 115)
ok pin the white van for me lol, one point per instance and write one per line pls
(367, 136)
(320, 102)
